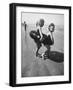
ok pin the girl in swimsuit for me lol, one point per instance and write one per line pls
(37, 35)
(48, 40)
(40, 38)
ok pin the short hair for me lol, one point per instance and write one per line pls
(41, 22)
(52, 24)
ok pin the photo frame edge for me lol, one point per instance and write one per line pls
(12, 48)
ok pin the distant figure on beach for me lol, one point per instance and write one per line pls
(40, 38)
(25, 25)
(25, 29)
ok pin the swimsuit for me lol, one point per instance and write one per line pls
(46, 40)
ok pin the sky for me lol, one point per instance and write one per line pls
(32, 18)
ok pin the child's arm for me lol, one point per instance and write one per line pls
(40, 31)
(52, 38)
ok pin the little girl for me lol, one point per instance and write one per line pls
(37, 35)
(48, 40)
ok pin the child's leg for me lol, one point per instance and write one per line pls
(38, 47)
(47, 52)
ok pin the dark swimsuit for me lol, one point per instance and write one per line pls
(46, 40)
(35, 35)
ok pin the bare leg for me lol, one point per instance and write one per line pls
(47, 52)
(38, 47)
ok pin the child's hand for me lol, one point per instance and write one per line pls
(38, 36)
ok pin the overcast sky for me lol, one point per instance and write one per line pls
(32, 18)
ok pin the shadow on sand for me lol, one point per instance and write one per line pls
(35, 68)
(56, 56)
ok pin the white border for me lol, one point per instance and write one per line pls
(20, 80)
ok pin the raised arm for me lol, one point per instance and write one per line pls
(40, 30)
